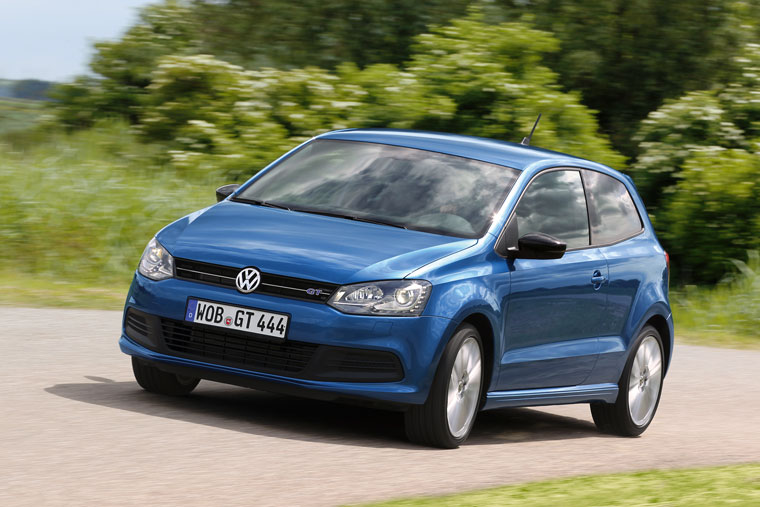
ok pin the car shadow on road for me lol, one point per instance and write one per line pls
(261, 413)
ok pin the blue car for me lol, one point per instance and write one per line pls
(431, 273)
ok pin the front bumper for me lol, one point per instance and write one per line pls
(416, 341)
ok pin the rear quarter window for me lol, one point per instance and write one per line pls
(612, 214)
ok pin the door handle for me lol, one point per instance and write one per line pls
(597, 279)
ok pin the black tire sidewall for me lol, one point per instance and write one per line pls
(155, 380)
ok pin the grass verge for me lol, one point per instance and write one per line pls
(727, 315)
(80, 208)
(19, 114)
(22, 289)
(730, 485)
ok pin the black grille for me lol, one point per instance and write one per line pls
(367, 365)
(136, 325)
(276, 285)
(289, 358)
(236, 350)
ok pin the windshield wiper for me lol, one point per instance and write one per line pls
(348, 217)
(376, 221)
(335, 214)
(260, 203)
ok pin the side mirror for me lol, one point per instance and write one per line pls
(537, 245)
(224, 191)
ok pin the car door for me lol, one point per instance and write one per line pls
(555, 307)
(616, 228)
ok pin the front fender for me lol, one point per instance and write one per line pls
(480, 300)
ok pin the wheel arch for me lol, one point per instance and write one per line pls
(660, 323)
(485, 329)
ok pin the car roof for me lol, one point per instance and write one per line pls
(504, 153)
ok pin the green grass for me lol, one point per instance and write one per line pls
(80, 209)
(23, 289)
(77, 211)
(731, 485)
(19, 114)
(725, 315)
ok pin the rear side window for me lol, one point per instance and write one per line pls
(555, 204)
(613, 215)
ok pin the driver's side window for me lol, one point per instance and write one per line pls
(554, 204)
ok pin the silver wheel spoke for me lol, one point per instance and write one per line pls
(645, 380)
(636, 367)
(454, 414)
(464, 387)
(457, 370)
(453, 381)
(634, 381)
(636, 410)
(633, 395)
(474, 376)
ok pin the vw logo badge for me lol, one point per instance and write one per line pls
(248, 280)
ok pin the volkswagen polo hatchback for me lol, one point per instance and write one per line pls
(433, 273)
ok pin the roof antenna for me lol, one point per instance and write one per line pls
(526, 140)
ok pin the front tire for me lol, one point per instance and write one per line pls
(639, 392)
(157, 381)
(447, 417)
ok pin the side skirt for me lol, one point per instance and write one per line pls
(552, 396)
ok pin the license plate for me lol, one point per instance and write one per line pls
(238, 318)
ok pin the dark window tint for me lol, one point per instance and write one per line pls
(418, 189)
(613, 215)
(555, 204)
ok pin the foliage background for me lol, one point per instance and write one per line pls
(201, 92)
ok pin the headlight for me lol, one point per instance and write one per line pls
(156, 263)
(391, 297)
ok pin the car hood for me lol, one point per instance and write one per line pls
(303, 245)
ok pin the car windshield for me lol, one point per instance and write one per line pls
(403, 187)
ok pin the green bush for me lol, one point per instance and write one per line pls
(497, 77)
(698, 171)
(468, 77)
(714, 213)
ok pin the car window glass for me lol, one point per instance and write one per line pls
(613, 215)
(555, 204)
(418, 189)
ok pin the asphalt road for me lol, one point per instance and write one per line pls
(75, 429)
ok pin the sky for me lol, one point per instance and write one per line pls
(52, 39)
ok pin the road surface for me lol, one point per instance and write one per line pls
(75, 429)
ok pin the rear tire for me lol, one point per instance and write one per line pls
(447, 417)
(157, 381)
(639, 391)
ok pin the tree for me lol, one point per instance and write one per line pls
(220, 115)
(698, 169)
(468, 77)
(626, 57)
(125, 66)
(31, 89)
(322, 33)
(714, 213)
(497, 77)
